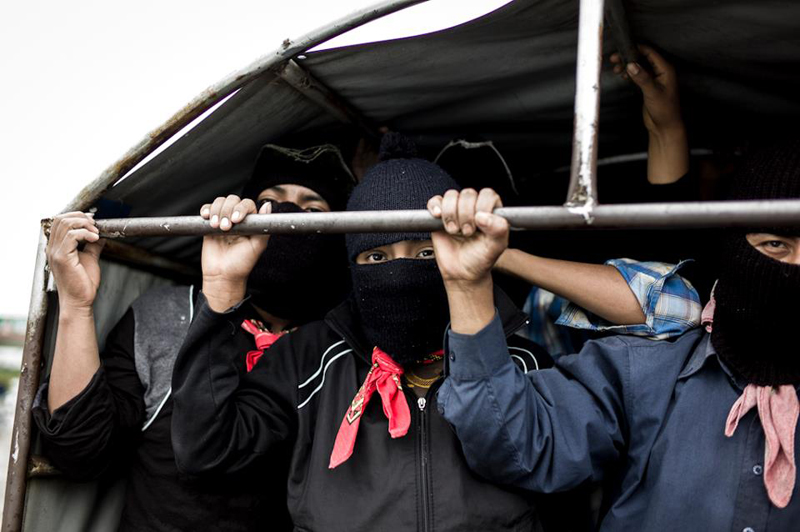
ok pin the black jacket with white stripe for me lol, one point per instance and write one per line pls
(297, 395)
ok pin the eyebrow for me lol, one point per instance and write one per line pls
(312, 197)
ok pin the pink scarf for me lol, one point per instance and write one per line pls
(778, 410)
(383, 377)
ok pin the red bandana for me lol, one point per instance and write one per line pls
(383, 376)
(264, 340)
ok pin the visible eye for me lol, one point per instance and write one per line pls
(775, 244)
(426, 253)
(315, 209)
(376, 256)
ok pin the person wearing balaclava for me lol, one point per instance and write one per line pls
(354, 395)
(109, 411)
(297, 278)
(698, 433)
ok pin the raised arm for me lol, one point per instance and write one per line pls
(668, 146)
(547, 431)
(224, 421)
(77, 275)
(598, 288)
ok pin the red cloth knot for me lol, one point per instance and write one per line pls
(384, 376)
(264, 340)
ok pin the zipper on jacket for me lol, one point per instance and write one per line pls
(424, 454)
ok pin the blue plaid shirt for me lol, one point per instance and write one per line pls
(669, 302)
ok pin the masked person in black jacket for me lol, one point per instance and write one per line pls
(113, 411)
(352, 395)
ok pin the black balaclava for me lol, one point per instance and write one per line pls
(320, 168)
(300, 277)
(401, 304)
(757, 296)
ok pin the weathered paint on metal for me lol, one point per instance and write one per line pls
(628, 216)
(302, 81)
(16, 481)
(582, 193)
(289, 49)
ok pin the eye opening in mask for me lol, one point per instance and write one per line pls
(404, 249)
(261, 202)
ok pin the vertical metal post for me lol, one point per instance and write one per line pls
(16, 483)
(582, 195)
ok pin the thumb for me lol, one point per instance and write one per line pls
(491, 224)
(641, 77)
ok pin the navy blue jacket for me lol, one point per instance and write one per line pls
(645, 418)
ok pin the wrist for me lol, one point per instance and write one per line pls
(69, 311)
(223, 293)
(471, 304)
(468, 286)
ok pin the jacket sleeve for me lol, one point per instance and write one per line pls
(224, 419)
(545, 431)
(98, 427)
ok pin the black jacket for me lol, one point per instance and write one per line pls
(99, 432)
(297, 395)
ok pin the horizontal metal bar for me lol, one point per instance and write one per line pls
(629, 216)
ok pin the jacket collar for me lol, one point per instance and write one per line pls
(343, 319)
(703, 353)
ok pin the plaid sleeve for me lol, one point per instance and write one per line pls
(670, 303)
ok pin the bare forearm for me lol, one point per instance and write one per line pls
(76, 358)
(471, 305)
(667, 155)
(222, 294)
(598, 288)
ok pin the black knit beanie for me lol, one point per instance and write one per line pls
(757, 295)
(401, 303)
(320, 168)
(399, 181)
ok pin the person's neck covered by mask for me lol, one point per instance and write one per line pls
(298, 278)
(757, 296)
(401, 303)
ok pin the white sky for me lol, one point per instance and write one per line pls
(83, 81)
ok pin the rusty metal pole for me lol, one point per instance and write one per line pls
(16, 482)
(629, 216)
(582, 194)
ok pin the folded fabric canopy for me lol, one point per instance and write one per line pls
(509, 77)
